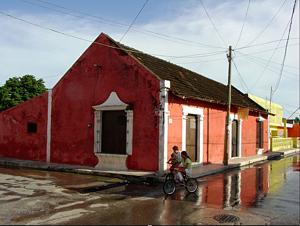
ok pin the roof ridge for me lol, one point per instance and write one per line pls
(187, 83)
(128, 47)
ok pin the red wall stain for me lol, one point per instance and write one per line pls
(15, 141)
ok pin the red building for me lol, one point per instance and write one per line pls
(119, 108)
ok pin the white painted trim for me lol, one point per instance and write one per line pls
(106, 160)
(111, 161)
(239, 144)
(260, 118)
(97, 131)
(163, 125)
(240, 126)
(49, 119)
(200, 117)
(113, 102)
(129, 131)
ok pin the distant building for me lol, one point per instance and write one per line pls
(275, 120)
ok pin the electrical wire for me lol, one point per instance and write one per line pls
(293, 112)
(102, 44)
(272, 70)
(202, 61)
(265, 60)
(240, 35)
(264, 43)
(285, 50)
(267, 65)
(241, 77)
(116, 23)
(135, 18)
(267, 25)
(211, 21)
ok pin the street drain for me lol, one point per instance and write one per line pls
(226, 218)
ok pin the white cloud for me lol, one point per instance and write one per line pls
(26, 49)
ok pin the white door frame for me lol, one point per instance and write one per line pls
(112, 161)
(200, 117)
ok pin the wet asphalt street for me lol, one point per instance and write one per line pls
(262, 194)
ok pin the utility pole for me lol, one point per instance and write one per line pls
(227, 142)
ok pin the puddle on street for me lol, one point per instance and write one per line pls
(254, 194)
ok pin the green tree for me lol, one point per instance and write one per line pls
(19, 89)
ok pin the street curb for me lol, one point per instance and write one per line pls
(16, 163)
(154, 178)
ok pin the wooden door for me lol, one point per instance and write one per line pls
(259, 134)
(191, 136)
(113, 132)
(234, 139)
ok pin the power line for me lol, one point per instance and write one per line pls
(285, 50)
(202, 61)
(267, 25)
(263, 65)
(262, 59)
(267, 65)
(268, 50)
(293, 112)
(145, 3)
(241, 77)
(240, 35)
(264, 43)
(102, 44)
(211, 21)
(116, 23)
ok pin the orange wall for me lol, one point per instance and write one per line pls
(295, 131)
(249, 136)
(213, 129)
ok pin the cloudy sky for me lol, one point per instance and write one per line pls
(192, 33)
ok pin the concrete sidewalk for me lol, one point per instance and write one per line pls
(134, 175)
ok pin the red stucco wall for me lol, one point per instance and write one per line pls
(89, 82)
(15, 141)
(295, 131)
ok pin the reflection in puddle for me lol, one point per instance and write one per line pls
(247, 187)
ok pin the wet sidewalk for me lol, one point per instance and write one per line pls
(134, 175)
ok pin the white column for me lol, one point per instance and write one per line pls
(200, 132)
(240, 123)
(129, 131)
(184, 131)
(49, 119)
(163, 125)
(97, 131)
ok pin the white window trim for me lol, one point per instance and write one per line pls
(113, 102)
(259, 151)
(240, 123)
(200, 117)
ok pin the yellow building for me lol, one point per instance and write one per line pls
(275, 120)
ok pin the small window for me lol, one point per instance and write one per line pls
(31, 127)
